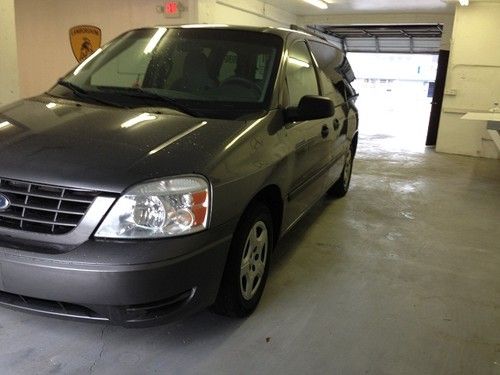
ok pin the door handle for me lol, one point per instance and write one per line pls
(325, 131)
(336, 124)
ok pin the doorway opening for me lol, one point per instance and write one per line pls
(395, 97)
(395, 66)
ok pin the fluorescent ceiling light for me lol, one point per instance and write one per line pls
(298, 62)
(243, 133)
(464, 3)
(176, 138)
(318, 3)
(155, 40)
(5, 124)
(86, 61)
(138, 120)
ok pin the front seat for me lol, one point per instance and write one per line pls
(195, 75)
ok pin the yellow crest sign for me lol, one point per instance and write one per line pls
(84, 39)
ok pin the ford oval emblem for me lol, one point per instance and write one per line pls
(4, 202)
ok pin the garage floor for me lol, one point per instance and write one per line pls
(400, 277)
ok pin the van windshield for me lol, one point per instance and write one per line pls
(205, 71)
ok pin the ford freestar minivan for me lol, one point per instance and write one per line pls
(155, 179)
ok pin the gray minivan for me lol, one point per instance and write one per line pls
(155, 179)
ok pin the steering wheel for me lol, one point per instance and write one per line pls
(240, 81)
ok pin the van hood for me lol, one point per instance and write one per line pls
(79, 145)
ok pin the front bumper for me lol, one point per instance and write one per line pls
(130, 283)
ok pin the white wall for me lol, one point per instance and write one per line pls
(474, 73)
(243, 12)
(43, 33)
(251, 12)
(42, 29)
(9, 73)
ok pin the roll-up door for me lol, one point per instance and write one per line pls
(388, 38)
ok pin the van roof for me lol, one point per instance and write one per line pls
(281, 31)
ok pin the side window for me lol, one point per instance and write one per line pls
(349, 91)
(331, 81)
(326, 84)
(339, 88)
(300, 74)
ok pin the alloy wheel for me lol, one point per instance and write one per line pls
(253, 261)
(347, 169)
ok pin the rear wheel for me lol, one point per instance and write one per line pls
(247, 266)
(341, 186)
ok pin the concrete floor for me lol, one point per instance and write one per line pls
(400, 277)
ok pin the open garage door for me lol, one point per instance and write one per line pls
(414, 39)
(388, 38)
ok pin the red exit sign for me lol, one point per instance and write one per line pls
(172, 8)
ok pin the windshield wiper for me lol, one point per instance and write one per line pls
(82, 93)
(172, 103)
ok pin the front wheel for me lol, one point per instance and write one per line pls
(341, 186)
(247, 266)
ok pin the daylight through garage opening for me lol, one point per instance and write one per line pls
(396, 68)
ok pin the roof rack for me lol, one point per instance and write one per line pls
(337, 42)
(308, 31)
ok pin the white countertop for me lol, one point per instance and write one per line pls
(482, 116)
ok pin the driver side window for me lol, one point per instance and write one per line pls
(300, 74)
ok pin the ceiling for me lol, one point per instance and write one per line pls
(302, 8)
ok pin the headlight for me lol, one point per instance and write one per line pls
(160, 208)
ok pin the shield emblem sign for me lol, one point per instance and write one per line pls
(84, 39)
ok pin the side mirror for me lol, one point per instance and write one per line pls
(311, 107)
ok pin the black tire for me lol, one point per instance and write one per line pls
(237, 298)
(341, 186)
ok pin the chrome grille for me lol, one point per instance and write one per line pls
(43, 208)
